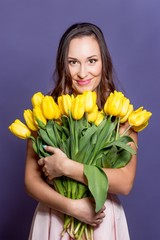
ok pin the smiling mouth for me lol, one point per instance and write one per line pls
(83, 82)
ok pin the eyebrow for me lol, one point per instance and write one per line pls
(87, 57)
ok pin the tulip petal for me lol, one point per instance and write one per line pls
(19, 129)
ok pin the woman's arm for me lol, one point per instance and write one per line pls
(37, 187)
(120, 180)
(41, 191)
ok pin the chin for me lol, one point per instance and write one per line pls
(82, 89)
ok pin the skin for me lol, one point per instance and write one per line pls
(85, 66)
(37, 188)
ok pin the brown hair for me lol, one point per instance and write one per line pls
(62, 74)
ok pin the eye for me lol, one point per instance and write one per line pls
(72, 62)
(92, 60)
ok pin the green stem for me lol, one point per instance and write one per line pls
(75, 130)
(72, 137)
(78, 237)
(67, 222)
(71, 231)
(77, 228)
(125, 131)
(32, 138)
(68, 188)
(86, 116)
(87, 233)
(91, 233)
(104, 136)
(117, 130)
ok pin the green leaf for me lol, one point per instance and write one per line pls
(120, 144)
(57, 134)
(123, 158)
(40, 123)
(110, 158)
(35, 146)
(104, 131)
(84, 155)
(58, 183)
(50, 131)
(40, 149)
(65, 131)
(43, 134)
(65, 121)
(94, 138)
(82, 191)
(97, 184)
(64, 146)
(124, 146)
(126, 139)
(83, 141)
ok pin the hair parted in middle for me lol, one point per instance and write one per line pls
(62, 75)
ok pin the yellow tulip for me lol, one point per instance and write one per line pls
(49, 108)
(37, 114)
(125, 118)
(65, 103)
(60, 105)
(91, 116)
(90, 100)
(19, 129)
(100, 117)
(139, 117)
(28, 117)
(141, 127)
(114, 104)
(125, 107)
(37, 99)
(77, 108)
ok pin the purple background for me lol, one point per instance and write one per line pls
(29, 34)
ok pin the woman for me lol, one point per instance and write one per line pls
(83, 63)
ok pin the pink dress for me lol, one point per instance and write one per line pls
(48, 224)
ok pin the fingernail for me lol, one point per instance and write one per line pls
(44, 146)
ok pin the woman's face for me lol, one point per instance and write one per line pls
(85, 64)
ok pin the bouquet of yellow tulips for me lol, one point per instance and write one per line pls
(86, 135)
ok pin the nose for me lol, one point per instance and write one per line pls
(82, 72)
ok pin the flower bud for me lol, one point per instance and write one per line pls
(49, 108)
(65, 104)
(100, 117)
(125, 118)
(91, 117)
(139, 118)
(28, 117)
(19, 129)
(125, 107)
(38, 116)
(60, 105)
(114, 104)
(90, 100)
(77, 109)
(141, 127)
(37, 99)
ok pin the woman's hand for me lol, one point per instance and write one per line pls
(84, 210)
(52, 166)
